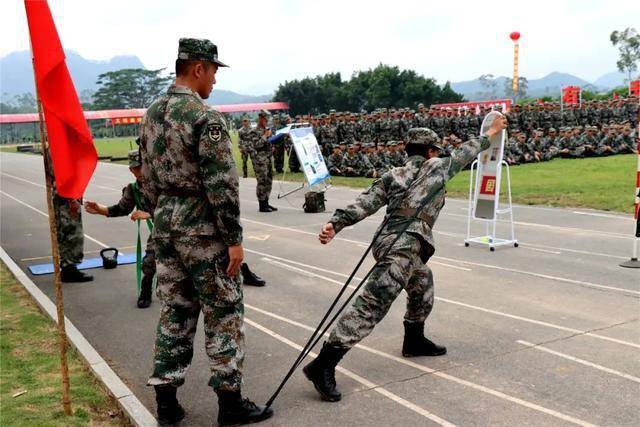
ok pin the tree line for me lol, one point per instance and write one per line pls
(384, 86)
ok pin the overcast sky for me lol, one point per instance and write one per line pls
(268, 42)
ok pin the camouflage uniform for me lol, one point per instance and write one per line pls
(68, 226)
(189, 177)
(402, 190)
(261, 159)
(244, 147)
(124, 207)
(69, 230)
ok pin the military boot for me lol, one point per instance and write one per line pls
(415, 344)
(234, 410)
(144, 299)
(322, 372)
(169, 410)
(71, 274)
(264, 206)
(249, 278)
(271, 208)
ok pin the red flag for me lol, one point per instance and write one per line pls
(72, 152)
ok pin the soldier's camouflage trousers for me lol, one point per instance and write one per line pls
(278, 157)
(261, 161)
(245, 159)
(69, 230)
(191, 278)
(400, 269)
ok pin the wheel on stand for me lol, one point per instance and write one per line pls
(515, 245)
(492, 249)
(466, 244)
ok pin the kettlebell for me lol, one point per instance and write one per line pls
(109, 261)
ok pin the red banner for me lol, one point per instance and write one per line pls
(72, 152)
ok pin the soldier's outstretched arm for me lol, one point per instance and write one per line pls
(220, 179)
(365, 205)
(463, 155)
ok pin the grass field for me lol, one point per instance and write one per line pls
(605, 183)
(29, 363)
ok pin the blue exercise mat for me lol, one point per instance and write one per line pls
(40, 269)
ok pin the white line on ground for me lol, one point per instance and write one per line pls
(368, 384)
(473, 307)
(42, 186)
(443, 375)
(601, 215)
(512, 270)
(538, 322)
(580, 361)
(546, 276)
(47, 215)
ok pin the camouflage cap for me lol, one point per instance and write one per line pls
(199, 50)
(264, 113)
(423, 136)
(134, 159)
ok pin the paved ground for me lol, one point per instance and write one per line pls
(545, 334)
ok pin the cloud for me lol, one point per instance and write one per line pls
(268, 42)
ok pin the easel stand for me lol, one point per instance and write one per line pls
(284, 174)
(489, 239)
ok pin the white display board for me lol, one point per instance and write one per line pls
(487, 187)
(309, 154)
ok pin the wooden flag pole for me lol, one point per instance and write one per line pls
(62, 333)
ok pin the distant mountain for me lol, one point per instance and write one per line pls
(229, 97)
(549, 85)
(16, 72)
(16, 76)
(610, 80)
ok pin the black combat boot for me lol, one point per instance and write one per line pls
(249, 278)
(271, 208)
(144, 299)
(71, 274)
(169, 410)
(234, 410)
(415, 344)
(322, 372)
(264, 206)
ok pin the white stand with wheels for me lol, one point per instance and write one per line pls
(489, 239)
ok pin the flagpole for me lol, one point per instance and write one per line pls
(62, 333)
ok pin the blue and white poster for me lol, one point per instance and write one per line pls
(309, 154)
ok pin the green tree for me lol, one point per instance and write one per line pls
(523, 84)
(628, 43)
(384, 86)
(129, 88)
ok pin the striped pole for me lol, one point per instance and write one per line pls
(633, 262)
(515, 36)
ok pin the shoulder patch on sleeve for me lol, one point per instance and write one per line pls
(214, 131)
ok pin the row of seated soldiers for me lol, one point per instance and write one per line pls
(371, 159)
(570, 142)
(392, 125)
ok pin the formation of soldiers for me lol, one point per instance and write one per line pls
(368, 144)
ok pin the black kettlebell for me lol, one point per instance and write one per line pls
(109, 261)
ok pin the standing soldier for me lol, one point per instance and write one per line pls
(244, 144)
(261, 154)
(70, 235)
(132, 200)
(278, 148)
(189, 177)
(400, 258)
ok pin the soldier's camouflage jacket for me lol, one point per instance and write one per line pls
(404, 189)
(188, 170)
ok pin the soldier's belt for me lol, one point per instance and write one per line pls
(409, 213)
(175, 192)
